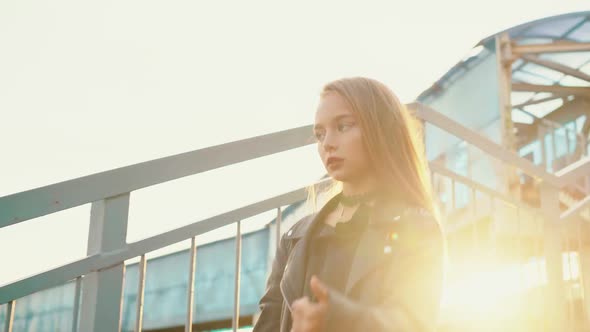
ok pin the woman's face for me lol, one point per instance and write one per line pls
(339, 138)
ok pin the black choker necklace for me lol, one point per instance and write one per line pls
(354, 200)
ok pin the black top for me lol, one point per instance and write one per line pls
(331, 250)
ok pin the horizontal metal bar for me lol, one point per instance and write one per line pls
(573, 172)
(572, 90)
(566, 176)
(62, 274)
(479, 187)
(474, 138)
(41, 201)
(134, 177)
(555, 47)
(576, 208)
(557, 66)
(538, 101)
(48, 279)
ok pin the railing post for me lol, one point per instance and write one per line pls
(541, 136)
(504, 59)
(556, 300)
(236, 314)
(102, 290)
(188, 326)
(9, 320)
(584, 259)
(76, 311)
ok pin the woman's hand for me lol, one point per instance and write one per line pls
(308, 316)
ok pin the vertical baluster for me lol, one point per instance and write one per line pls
(453, 204)
(569, 283)
(279, 221)
(540, 270)
(554, 148)
(520, 252)
(567, 144)
(236, 314)
(578, 280)
(576, 138)
(474, 233)
(8, 324)
(544, 284)
(493, 231)
(581, 275)
(188, 327)
(569, 251)
(140, 292)
(541, 137)
(76, 312)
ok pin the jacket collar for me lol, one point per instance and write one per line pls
(394, 229)
(306, 224)
(375, 244)
(292, 283)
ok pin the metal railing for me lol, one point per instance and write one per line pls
(102, 272)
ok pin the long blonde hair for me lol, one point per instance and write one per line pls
(392, 138)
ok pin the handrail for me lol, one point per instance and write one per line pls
(480, 187)
(49, 199)
(547, 123)
(575, 209)
(573, 172)
(564, 177)
(41, 201)
(37, 202)
(557, 125)
(58, 276)
(65, 273)
(474, 138)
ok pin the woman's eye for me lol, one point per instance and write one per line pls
(344, 126)
(319, 135)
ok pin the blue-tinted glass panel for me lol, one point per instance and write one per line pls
(561, 144)
(572, 137)
(531, 78)
(580, 123)
(533, 148)
(554, 28)
(570, 59)
(549, 152)
(542, 109)
(581, 34)
(550, 74)
(573, 81)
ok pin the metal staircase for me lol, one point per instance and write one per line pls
(492, 224)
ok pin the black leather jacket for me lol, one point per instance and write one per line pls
(396, 275)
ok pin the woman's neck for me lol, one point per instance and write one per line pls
(358, 188)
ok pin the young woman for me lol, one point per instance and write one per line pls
(372, 258)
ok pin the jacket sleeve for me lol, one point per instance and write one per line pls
(271, 302)
(412, 292)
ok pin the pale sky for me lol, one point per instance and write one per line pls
(90, 86)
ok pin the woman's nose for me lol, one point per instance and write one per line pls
(329, 142)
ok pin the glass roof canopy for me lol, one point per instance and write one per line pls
(535, 71)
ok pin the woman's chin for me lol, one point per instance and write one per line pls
(339, 176)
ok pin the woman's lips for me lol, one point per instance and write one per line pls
(334, 162)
